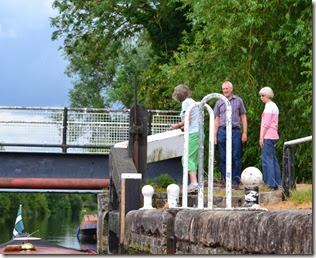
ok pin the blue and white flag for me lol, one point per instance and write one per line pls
(19, 226)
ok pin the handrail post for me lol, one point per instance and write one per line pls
(186, 155)
(201, 155)
(228, 147)
(64, 135)
(210, 158)
(186, 161)
(228, 155)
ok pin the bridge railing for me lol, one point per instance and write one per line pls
(71, 130)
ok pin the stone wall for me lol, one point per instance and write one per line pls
(193, 231)
(102, 227)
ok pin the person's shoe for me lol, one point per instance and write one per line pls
(193, 188)
(273, 188)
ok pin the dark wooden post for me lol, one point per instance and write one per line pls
(137, 142)
(288, 177)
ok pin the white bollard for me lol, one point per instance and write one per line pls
(251, 178)
(173, 191)
(148, 192)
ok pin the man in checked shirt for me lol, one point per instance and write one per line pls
(238, 118)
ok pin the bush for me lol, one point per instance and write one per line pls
(161, 181)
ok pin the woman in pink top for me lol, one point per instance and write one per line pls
(268, 138)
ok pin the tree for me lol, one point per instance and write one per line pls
(96, 31)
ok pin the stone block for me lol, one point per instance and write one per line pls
(149, 230)
(262, 232)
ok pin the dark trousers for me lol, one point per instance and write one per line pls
(270, 165)
(236, 154)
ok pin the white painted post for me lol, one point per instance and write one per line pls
(185, 159)
(210, 163)
(228, 145)
(228, 154)
(186, 155)
(148, 192)
(173, 191)
(210, 193)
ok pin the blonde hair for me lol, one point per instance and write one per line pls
(267, 91)
(181, 92)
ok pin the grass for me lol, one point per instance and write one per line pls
(301, 198)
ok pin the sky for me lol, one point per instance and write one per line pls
(31, 66)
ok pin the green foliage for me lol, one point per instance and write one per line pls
(161, 181)
(41, 204)
(76, 203)
(200, 43)
(69, 204)
(36, 205)
(5, 205)
(33, 204)
(59, 204)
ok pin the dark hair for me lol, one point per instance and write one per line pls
(181, 92)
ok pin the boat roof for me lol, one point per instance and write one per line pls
(42, 247)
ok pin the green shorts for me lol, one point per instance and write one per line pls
(193, 152)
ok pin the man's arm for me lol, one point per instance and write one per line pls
(244, 127)
(216, 123)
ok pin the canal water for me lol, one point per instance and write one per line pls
(54, 229)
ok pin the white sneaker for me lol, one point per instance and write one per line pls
(193, 188)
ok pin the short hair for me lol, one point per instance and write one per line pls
(181, 92)
(229, 83)
(267, 91)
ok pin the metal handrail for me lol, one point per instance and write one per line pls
(66, 121)
(228, 146)
(83, 109)
(300, 140)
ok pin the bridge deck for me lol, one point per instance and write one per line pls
(67, 148)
